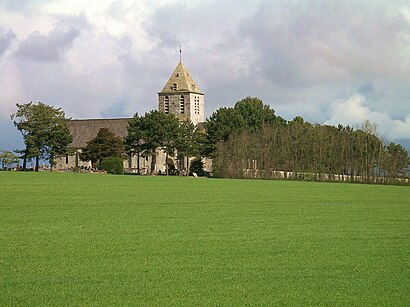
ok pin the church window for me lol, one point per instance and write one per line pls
(196, 104)
(177, 75)
(166, 104)
(182, 104)
(174, 86)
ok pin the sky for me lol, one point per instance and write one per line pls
(328, 61)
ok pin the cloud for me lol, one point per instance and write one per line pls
(10, 89)
(22, 5)
(309, 54)
(110, 58)
(39, 47)
(6, 39)
(352, 112)
(305, 43)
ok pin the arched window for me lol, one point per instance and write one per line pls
(182, 104)
(166, 104)
(174, 86)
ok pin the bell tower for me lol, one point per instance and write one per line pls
(182, 97)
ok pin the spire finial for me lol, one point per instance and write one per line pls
(180, 53)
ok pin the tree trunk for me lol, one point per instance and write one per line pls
(153, 163)
(37, 163)
(166, 162)
(51, 163)
(138, 163)
(25, 162)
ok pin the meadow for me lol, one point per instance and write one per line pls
(91, 239)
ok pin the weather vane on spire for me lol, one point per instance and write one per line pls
(180, 53)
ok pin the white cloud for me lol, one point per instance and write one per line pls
(350, 112)
(353, 112)
(298, 56)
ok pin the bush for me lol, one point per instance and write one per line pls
(172, 170)
(112, 165)
(197, 166)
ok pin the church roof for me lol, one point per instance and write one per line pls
(180, 81)
(84, 130)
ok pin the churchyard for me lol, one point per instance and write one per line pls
(91, 239)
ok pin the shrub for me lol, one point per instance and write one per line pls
(197, 166)
(172, 170)
(112, 165)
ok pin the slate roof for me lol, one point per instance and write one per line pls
(84, 130)
(183, 80)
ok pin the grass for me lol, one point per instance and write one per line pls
(87, 239)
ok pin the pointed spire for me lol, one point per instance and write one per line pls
(180, 53)
(180, 81)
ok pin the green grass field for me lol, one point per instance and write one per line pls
(88, 239)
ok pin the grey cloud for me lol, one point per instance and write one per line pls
(205, 24)
(91, 82)
(39, 47)
(366, 88)
(215, 53)
(164, 29)
(305, 43)
(80, 22)
(117, 109)
(299, 56)
(21, 6)
(6, 39)
(309, 54)
(10, 137)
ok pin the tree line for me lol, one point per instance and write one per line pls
(304, 151)
(258, 144)
(246, 141)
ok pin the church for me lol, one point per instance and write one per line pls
(180, 96)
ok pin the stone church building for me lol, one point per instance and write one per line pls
(180, 96)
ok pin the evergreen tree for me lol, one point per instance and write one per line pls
(44, 129)
(8, 158)
(105, 144)
(189, 141)
(254, 113)
(134, 141)
(249, 113)
(158, 130)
